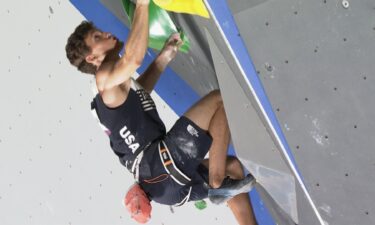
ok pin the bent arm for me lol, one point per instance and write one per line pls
(149, 78)
(152, 74)
(135, 49)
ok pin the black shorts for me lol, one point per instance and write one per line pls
(188, 144)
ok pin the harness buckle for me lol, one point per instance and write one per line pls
(170, 166)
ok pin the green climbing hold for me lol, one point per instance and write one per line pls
(161, 26)
(201, 204)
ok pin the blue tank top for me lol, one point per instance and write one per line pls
(132, 126)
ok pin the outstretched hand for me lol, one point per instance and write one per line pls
(171, 47)
(141, 2)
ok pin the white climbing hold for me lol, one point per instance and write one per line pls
(345, 4)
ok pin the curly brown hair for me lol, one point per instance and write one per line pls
(77, 50)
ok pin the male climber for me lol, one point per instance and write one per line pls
(169, 167)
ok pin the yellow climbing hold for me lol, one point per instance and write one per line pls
(196, 7)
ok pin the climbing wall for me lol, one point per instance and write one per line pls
(314, 59)
(316, 62)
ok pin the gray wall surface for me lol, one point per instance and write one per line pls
(316, 62)
(314, 58)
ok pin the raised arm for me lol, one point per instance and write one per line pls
(134, 49)
(149, 78)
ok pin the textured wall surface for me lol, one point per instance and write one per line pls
(316, 62)
(314, 59)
